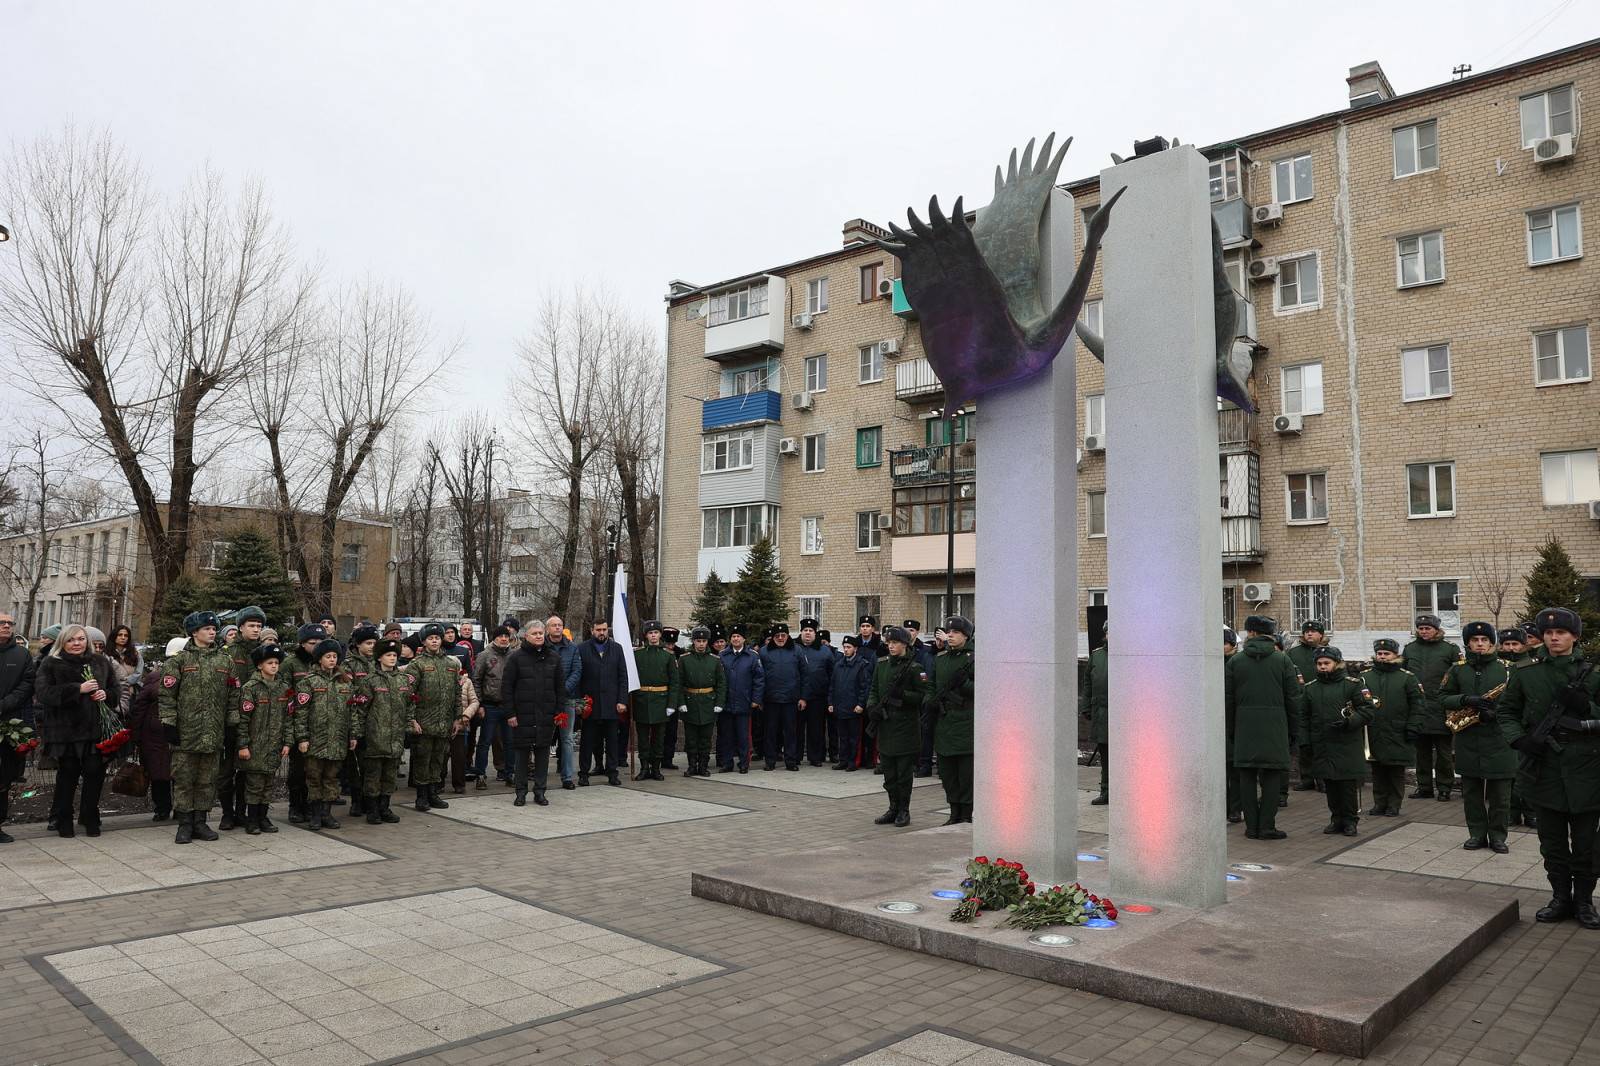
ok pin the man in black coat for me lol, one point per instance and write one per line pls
(16, 701)
(533, 687)
(604, 679)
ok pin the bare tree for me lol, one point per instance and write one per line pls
(635, 377)
(468, 469)
(1493, 573)
(418, 520)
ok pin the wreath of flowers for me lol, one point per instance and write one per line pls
(1004, 885)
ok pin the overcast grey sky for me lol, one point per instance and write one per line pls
(479, 152)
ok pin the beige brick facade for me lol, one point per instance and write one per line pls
(1492, 424)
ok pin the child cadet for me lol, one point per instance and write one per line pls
(1336, 708)
(386, 718)
(1484, 760)
(705, 689)
(266, 732)
(324, 711)
(849, 691)
(231, 781)
(1396, 698)
(950, 702)
(198, 704)
(298, 665)
(436, 706)
(899, 688)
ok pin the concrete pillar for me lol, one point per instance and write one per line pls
(1163, 536)
(1026, 762)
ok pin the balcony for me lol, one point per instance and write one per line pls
(741, 409)
(928, 553)
(1236, 430)
(1233, 222)
(914, 379)
(1241, 540)
(931, 466)
(747, 319)
(900, 305)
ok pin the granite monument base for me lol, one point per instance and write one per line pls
(1326, 956)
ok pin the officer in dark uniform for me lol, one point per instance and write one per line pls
(669, 739)
(1313, 636)
(1337, 708)
(899, 688)
(1486, 763)
(871, 647)
(1430, 657)
(1263, 697)
(1550, 714)
(813, 718)
(950, 702)
(1514, 653)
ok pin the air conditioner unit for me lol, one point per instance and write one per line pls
(1289, 423)
(1553, 149)
(885, 287)
(1594, 510)
(889, 347)
(1264, 269)
(803, 320)
(1268, 214)
(885, 521)
(1094, 442)
(789, 446)
(1258, 593)
(801, 401)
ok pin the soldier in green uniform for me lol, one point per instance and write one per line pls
(436, 688)
(1533, 640)
(231, 782)
(705, 690)
(1514, 653)
(265, 733)
(298, 665)
(385, 696)
(1430, 657)
(659, 699)
(1093, 701)
(198, 704)
(899, 687)
(327, 723)
(1230, 645)
(1550, 714)
(950, 702)
(1313, 636)
(1396, 699)
(1263, 696)
(1336, 711)
(358, 665)
(1486, 762)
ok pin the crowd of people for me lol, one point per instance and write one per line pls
(214, 721)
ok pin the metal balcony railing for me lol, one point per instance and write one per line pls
(930, 466)
(914, 378)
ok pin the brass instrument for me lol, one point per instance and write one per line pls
(1462, 717)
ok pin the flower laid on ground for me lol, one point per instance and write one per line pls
(1059, 905)
(991, 885)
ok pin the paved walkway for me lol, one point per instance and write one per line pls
(489, 934)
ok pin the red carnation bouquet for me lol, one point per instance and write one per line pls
(113, 743)
(1060, 905)
(588, 707)
(996, 885)
(562, 719)
(19, 735)
(1000, 884)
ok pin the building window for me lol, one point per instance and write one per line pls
(869, 538)
(1432, 489)
(871, 275)
(1291, 179)
(737, 304)
(1308, 497)
(1555, 234)
(1094, 415)
(935, 610)
(1569, 477)
(869, 364)
(811, 535)
(922, 510)
(1442, 598)
(1302, 389)
(1228, 609)
(811, 607)
(1561, 356)
(817, 295)
(728, 451)
(869, 446)
(1299, 284)
(1224, 178)
(350, 563)
(869, 605)
(815, 453)
(71, 553)
(1093, 316)
(1097, 597)
(1420, 259)
(936, 431)
(817, 373)
(749, 380)
(1095, 522)
(1309, 603)
(1416, 148)
(1425, 372)
(123, 563)
(736, 527)
(214, 554)
(1546, 114)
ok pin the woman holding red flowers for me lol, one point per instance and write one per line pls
(73, 687)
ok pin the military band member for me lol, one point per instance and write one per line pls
(1337, 709)
(1396, 699)
(1263, 697)
(950, 703)
(1313, 635)
(1485, 761)
(899, 688)
(198, 705)
(1430, 657)
(265, 731)
(1514, 653)
(657, 702)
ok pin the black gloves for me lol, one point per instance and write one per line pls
(1526, 745)
(1579, 725)
(170, 732)
(1473, 702)
(1412, 736)
(1575, 702)
(1486, 711)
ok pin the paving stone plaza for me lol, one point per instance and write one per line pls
(493, 934)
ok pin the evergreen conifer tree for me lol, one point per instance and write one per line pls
(253, 574)
(761, 595)
(1555, 582)
(711, 605)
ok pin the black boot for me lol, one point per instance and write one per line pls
(313, 815)
(955, 815)
(434, 801)
(358, 804)
(265, 810)
(613, 777)
(522, 798)
(693, 769)
(252, 822)
(201, 830)
(1559, 909)
(422, 797)
(297, 805)
(1583, 904)
(538, 797)
(374, 811)
(227, 822)
(903, 817)
(655, 772)
(888, 816)
(1100, 800)
(185, 829)
(384, 813)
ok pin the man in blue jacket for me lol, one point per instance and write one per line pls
(849, 686)
(819, 659)
(746, 687)
(604, 679)
(555, 635)
(785, 672)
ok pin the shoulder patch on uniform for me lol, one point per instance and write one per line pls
(246, 706)
(169, 681)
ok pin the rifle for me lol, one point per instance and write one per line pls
(1540, 737)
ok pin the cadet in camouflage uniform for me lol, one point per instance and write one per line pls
(950, 702)
(298, 666)
(1430, 657)
(1483, 758)
(327, 721)
(436, 698)
(265, 733)
(386, 720)
(1335, 709)
(658, 700)
(1397, 698)
(198, 704)
(705, 690)
(899, 688)
(231, 782)
(358, 665)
